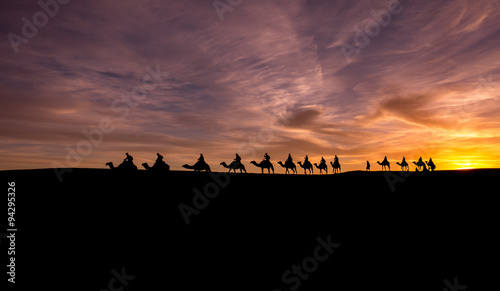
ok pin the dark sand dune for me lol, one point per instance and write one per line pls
(434, 226)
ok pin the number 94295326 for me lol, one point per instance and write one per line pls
(11, 198)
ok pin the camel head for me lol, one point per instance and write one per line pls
(253, 162)
(145, 165)
(379, 163)
(281, 163)
(224, 164)
(185, 166)
(300, 163)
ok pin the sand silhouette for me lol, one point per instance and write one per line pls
(435, 225)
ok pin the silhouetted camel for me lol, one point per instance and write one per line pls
(234, 166)
(321, 167)
(404, 166)
(199, 166)
(162, 167)
(419, 164)
(123, 167)
(336, 167)
(289, 165)
(307, 166)
(385, 165)
(264, 165)
(431, 165)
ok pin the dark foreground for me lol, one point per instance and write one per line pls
(97, 230)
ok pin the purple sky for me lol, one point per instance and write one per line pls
(270, 77)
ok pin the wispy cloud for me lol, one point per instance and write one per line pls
(423, 75)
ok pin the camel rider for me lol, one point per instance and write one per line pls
(267, 157)
(420, 160)
(289, 160)
(128, 159)
(404, 160)
(238, 159)
(322, 161)
(201, 158)
(306, 159)
(159, 159)
(385, 160)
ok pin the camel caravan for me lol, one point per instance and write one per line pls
(421, 166)
(290, 167)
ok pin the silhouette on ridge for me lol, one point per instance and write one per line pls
(404, 165)
(385, 164)
(200, 165)
(420, 164)
(159, 165)
(322, 166)
(431, 165)
(306, 166)
(336, 165)
(126, 166)
(265, 164)
(235, 164)
(289, 164)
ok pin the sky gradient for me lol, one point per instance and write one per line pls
(316, 78)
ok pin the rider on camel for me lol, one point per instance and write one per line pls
(322, 161)
(128, 159)
(238, 159)
(159, 159)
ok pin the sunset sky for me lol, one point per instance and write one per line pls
(300, 77)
